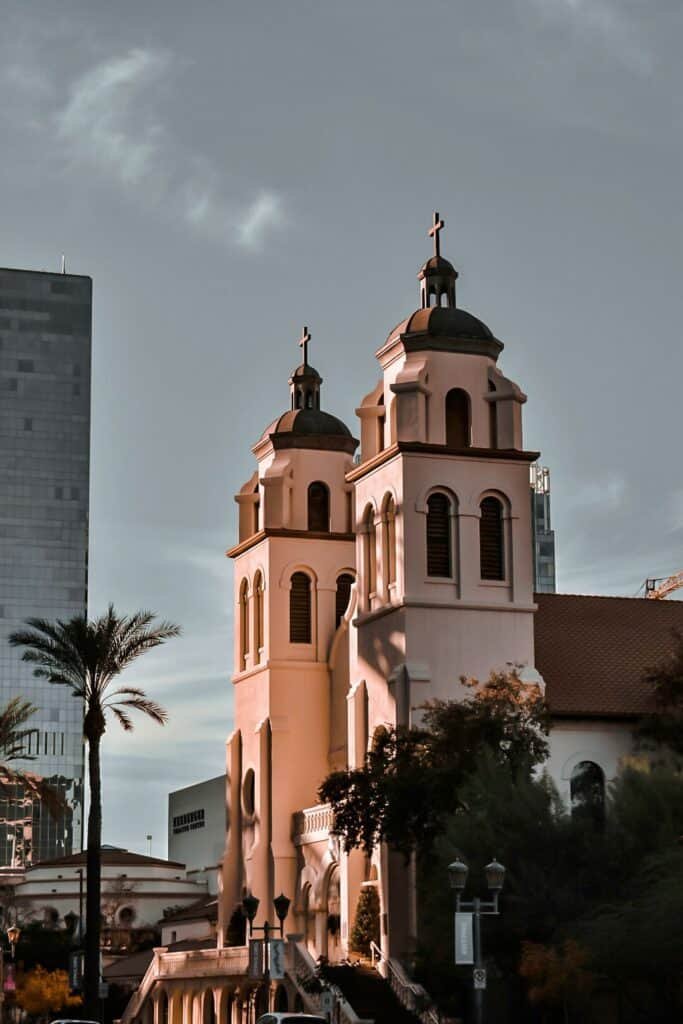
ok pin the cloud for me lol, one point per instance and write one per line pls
(96, 123)
(601, 21)
(110, 123)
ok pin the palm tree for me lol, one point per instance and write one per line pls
(87, 656)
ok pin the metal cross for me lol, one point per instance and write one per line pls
(434, 233)
(303, 343)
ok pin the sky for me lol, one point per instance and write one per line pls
(228, 172)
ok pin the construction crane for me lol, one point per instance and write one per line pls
(657, 589)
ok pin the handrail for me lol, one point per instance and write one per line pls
(409, 993)
(135, 1002)
(303, 965)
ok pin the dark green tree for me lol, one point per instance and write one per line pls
(366, 925)
(662, 729)
(412, 779)
(88, 656)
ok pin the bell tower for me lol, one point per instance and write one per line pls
(442, 513)
(294, 566)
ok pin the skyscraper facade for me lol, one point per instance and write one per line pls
(543, 534)
(45, 352)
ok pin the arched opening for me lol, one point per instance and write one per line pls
(309, 919)
(126, 917)
(318, 507)
(439, 554)
(298, 1004)
(341, 602)
(163, 1007)
(381, 422)
(261, 1001)
(369, 555)
(244, 624)
(300, 609)
(249, 792)
(334, 916)
(257, 506)
(587, 792)
(209, 1009)
(280, 1002)
(491, 540)
(258, 616)
(389, 522)
(493, 418)
(457, 418)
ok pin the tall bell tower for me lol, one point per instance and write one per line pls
(294, 567)
(442, 513)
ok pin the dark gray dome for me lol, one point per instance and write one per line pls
(448, 328)
(310, 421)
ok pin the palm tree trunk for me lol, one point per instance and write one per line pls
(91, 978)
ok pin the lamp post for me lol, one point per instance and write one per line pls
(495, 877)
(13, 936)
(250, 905)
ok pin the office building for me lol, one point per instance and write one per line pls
(45, 349)
(543, 535)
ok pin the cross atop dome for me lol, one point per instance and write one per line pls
(303, 343)
(437, 226)
(437, 277)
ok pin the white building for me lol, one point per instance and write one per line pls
(136, 892)
(197, 824)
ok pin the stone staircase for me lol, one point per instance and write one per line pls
(370, 995)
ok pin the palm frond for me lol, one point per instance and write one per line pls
(124, 720)
(148, 707)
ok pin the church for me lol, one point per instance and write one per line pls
(369, 576)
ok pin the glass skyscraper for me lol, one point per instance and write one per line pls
(543, 534)
(45, 348)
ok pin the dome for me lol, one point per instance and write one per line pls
(309, 422)
(450, 328)
(437, 265)
(309, 428)
(306, 370)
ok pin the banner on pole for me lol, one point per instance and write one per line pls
(256, 958)
(276, 959)
(464, 939)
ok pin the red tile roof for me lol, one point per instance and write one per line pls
(112, 855)
(592, 651)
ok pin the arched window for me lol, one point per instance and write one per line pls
(369, 554)
(439, 535)
(258, 616)
(587, 792)
(381, 421)
(493, 418)
(491, 541)
(300, 609)
(318, 507)
(457, 418)
(344, 583)
(389, 522)
(244, 624)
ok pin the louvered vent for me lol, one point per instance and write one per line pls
(438, 535)
(300, 609)
(491, 547)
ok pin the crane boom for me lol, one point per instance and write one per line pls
(666, 586)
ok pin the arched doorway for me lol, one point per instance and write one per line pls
(209, 1008)
(281, 1003)
(333, 912)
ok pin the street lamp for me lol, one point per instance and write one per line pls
(13, 936)
(495, 877)
(250, 905)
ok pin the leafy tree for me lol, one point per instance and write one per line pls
(557, 975)
(88, 656)
(41, 992)
(366, 926)
(663, 728)
(412, 778)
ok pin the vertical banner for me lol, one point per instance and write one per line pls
(276, 958)
(464, 939)
(76, 971)
(255, 958)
